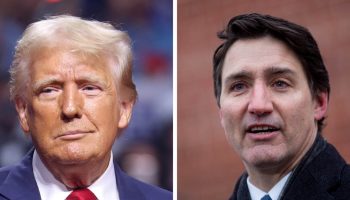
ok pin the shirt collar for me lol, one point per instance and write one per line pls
(274, 193)
(51, 188)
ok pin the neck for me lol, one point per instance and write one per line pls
(265, 181)
(79, 175)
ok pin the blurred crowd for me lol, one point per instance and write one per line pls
(145, 148)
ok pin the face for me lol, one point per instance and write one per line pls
(73, 112)
(267, 110)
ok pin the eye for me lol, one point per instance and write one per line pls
(238, 87)
(280, 84)
(91, 90)
(48, 92)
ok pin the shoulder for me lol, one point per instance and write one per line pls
(331, 172)
(322, 174)
(20, 169)
(19, 177)
(152, 192)
(343, 189)
(4, 172)
(130, 188)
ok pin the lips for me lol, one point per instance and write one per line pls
(73, 135)
(262, 132)
(261, 129)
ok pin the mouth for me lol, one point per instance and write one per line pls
(262, 129)
(73, 135)
(262, 132)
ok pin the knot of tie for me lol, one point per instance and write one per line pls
(81, 194)
(266, 197)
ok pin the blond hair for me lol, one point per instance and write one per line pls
(83, 36)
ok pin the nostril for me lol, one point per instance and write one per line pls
(261, 114)
(70, 111)
(69, 118)
(65, 118)
(261, 109)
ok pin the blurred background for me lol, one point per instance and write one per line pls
(145, 148)
(208, 167)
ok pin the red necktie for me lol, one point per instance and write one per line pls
(81, 194)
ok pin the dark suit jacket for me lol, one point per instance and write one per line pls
(321, 175)
(18, 183)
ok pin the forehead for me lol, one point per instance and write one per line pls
(64, 62)
(258, 55)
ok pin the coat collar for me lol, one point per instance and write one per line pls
(241, 191)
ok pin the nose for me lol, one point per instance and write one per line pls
(71, 103)
(260, 101)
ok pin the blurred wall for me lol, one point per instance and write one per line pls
(207, 166)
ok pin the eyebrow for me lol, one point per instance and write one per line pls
(240, 75)
(271, 71)
(57, 80)
(276, 70)
(47, 81)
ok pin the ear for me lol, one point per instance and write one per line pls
(125, 113)
(22, 110)
(321, 105)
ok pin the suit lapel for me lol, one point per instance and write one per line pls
(20, 182)
(126, 186)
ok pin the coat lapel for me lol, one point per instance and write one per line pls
(241, 191)
(20, 182)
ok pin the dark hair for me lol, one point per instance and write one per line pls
(296, 37)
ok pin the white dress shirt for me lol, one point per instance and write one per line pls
(105, 187)
(274, 193)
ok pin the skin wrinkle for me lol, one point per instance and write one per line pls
(258, 64)
(69, 106)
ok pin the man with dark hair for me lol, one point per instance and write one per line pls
(272, 89)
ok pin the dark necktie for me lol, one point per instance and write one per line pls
(81, 194)
(266, 197)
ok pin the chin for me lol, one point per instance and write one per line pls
(264, 157)
(74, 154)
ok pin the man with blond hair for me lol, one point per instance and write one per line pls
(71, 82)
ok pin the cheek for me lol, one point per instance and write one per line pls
(104, 114)
(298, 116)
(232, 112)
(43, 117)
(231, 119)
(227, 117)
